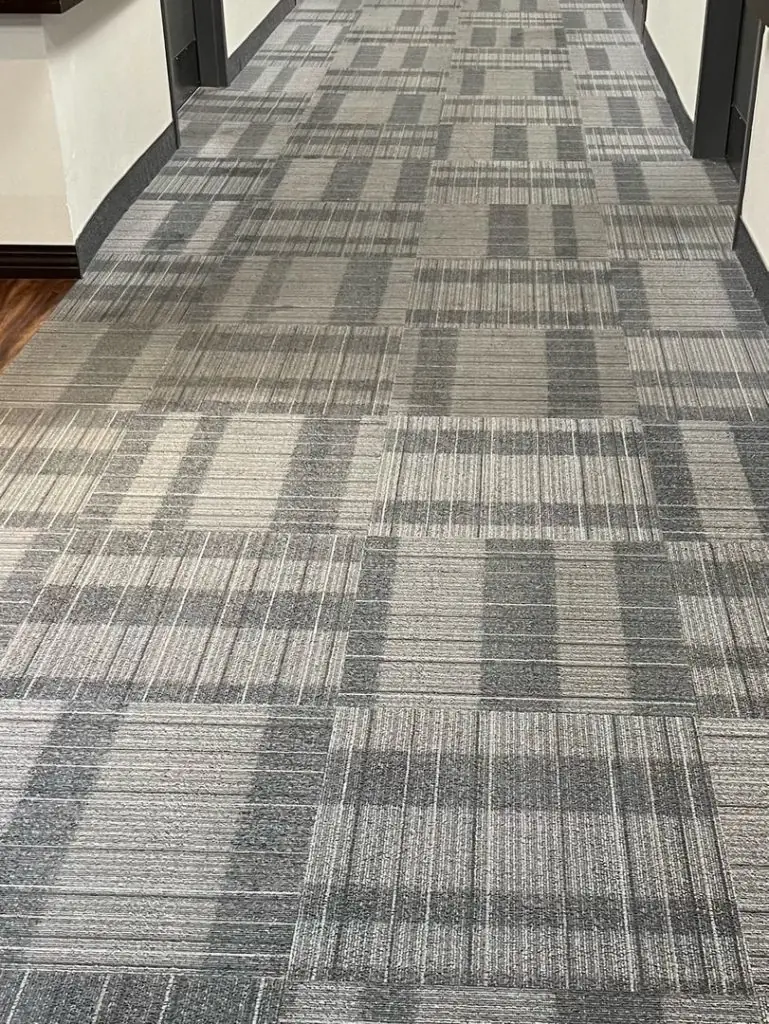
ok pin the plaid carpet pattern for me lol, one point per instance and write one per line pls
(384, 555)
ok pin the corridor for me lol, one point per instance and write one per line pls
(384, 581)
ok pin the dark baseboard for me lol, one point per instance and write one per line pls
(123, 194)
(70, 261)
(38, 261)
(238, 60)
(684, 122)
(755, 269)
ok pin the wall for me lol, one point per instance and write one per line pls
(33, 200)
(755, 213)
(241, 18)
(109, 78)
(676, 28)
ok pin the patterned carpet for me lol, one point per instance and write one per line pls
(384, 555)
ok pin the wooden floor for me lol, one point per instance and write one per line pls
(24, 305)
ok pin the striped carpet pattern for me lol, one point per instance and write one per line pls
(384, 555)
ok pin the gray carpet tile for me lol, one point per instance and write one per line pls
(350, 1002)
(50, 461)
(517, 625)
(84, 364)
(217, 105)
(329, 229)
(240, 472)
(479, 107)
(390, 59)
(647, 111)
(671, 183)
(200, 618)
(210, 179)
(494, 292)
(189, 227)
(634, 144)
(302, 370)
(699, 295)
(737, 754)
(26, 558)
(494, 80)
(451, 372)
(549, 479)
(460, 140)
(362, 141)
(164, 837)
(545, 43)
(711, 480)
(517, 183)
(161, 290)
(701, 375)
(348, 107)
(31, 996)
(235, 139)
(723, 598)
(647, 232)
(617, 82)
(317, 179)
(513, 232)
(452, 847)
(291, 78)
(415, 20)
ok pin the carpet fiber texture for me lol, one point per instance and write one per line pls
(384, 555)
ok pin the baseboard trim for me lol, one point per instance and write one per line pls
(124, 194)
(39, 261)
(684, 122)
(70, 261)
(238, 60)
(755, 269)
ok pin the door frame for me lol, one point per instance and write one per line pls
(718, 64)
(212, 42)
(212, 47)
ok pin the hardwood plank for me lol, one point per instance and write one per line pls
(24, 305)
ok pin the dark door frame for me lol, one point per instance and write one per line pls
(720, 44)
(212, 48)
(212, 44)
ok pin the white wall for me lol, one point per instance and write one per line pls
(33, 200)
(241, 18)
(676, 28)
(110, 89)
(755, 213)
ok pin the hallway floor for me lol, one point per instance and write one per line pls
(384, 574)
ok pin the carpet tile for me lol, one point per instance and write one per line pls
(516, 183)
(544, 479)
(517, 625)
(710, 480)
(588, 811)
(87, 365)
(179, 470)
(349, 1002)
(303, 370)
(723, 598)
(169, 882)
(50, 461)
(115, 997)
(203, 618)
(701, 375)
(737, 754)
(453, 372)
(384, 554)
(365, 180)
(513, 293)
(513, 232)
